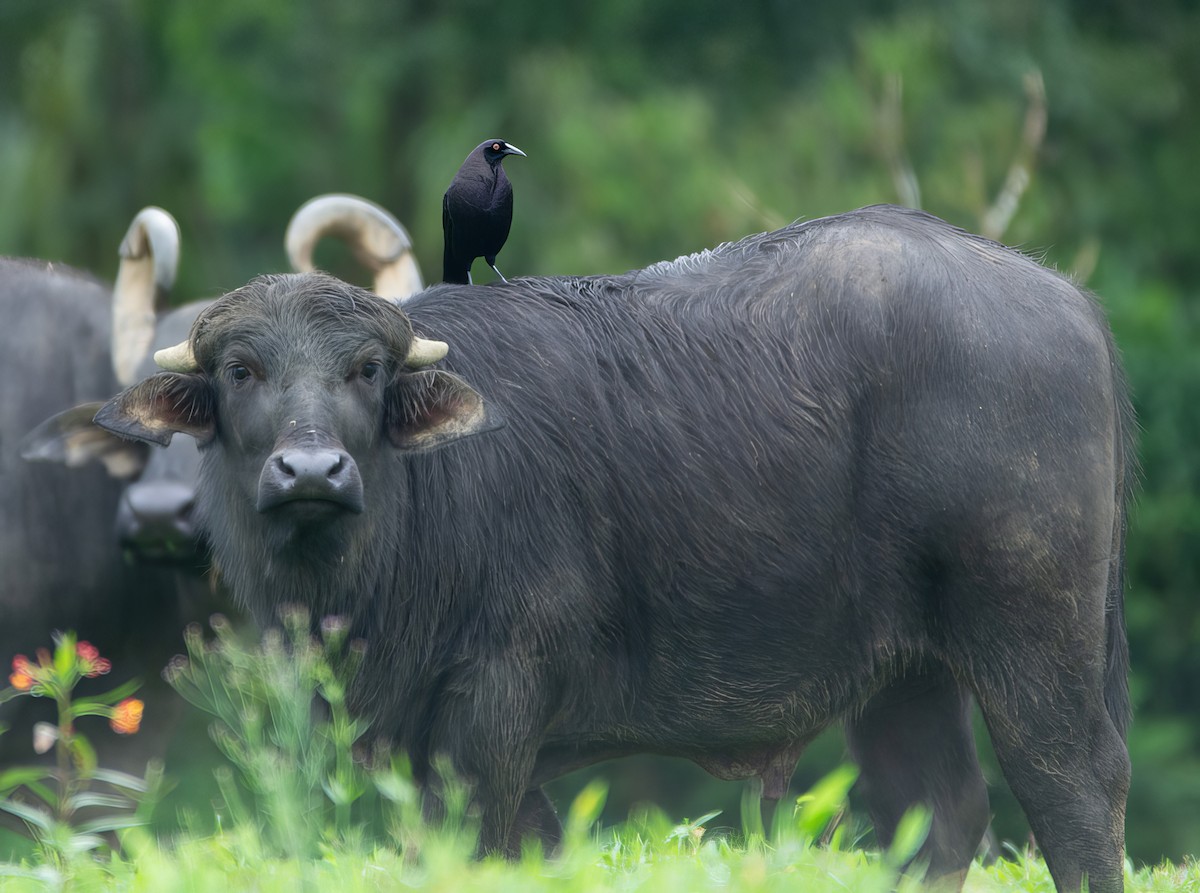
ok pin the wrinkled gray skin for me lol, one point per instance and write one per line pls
(860, 470)
(60, 567)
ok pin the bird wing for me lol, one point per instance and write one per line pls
(456, 257)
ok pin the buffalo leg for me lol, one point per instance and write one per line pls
(536, 819)
(488, 734)
(1068, 766)
(914, 745)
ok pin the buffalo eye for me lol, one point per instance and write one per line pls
(238, 373)
(370, 370)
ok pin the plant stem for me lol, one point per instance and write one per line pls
(62, 752)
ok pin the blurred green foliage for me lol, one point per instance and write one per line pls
(655, 129)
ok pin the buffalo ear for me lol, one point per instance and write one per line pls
(73, 439)
(432, 407)
(157, 407)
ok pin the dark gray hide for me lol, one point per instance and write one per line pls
(858, 469)
(59, 565)
(155, 521)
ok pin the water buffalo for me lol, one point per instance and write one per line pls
(58, 565)
(154, 519)
(858, 469)
(130, 589)
(153, 516)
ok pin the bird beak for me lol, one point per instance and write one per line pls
(513, 150)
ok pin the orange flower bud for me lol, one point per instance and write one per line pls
(127, 716)
(22, 675)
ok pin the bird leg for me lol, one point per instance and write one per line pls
(498, 273)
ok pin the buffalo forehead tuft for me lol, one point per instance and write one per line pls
(275, 308)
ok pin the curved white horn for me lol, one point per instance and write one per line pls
(377, 238)
(149, 258)
(423, 352)
(178, 358)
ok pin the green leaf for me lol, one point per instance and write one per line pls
(233, 800)
(121, 780)
(12, 778)
(825, 800)
(94, 798)
(83, 706)
(692, 829)
(586, 807)
(65, 657)
(109, 823)
(43, 873)
(910, 835)
(394, 786)
(8, 694)
(341, 793)
(82, 843)
(39, 818)
(752, 823)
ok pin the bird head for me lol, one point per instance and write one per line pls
(495, 150)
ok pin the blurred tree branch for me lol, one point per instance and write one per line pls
(994, 221)
(995, 218)
(890, 126)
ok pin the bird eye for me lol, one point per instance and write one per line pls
(238, 373)
(495, 147)
(370, 370)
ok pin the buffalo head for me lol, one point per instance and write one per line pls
(300, 391)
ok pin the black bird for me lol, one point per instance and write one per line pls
(477, 211)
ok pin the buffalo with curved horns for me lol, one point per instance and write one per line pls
(72, 338)
(59, 565)
(155, 518)
(861, 469)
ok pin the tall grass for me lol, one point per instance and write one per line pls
(297, 811)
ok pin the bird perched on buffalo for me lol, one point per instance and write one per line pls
(477, 211)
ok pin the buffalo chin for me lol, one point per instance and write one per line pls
(310, 535)
(305, 508)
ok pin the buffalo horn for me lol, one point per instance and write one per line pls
(377, 238)
(424, 352)
(149, 258)
(178, 358)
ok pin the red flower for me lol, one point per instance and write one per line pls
(22, 678)
(91, 664)
(127, 716)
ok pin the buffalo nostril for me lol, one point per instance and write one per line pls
(311, 465)
(282, 465)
